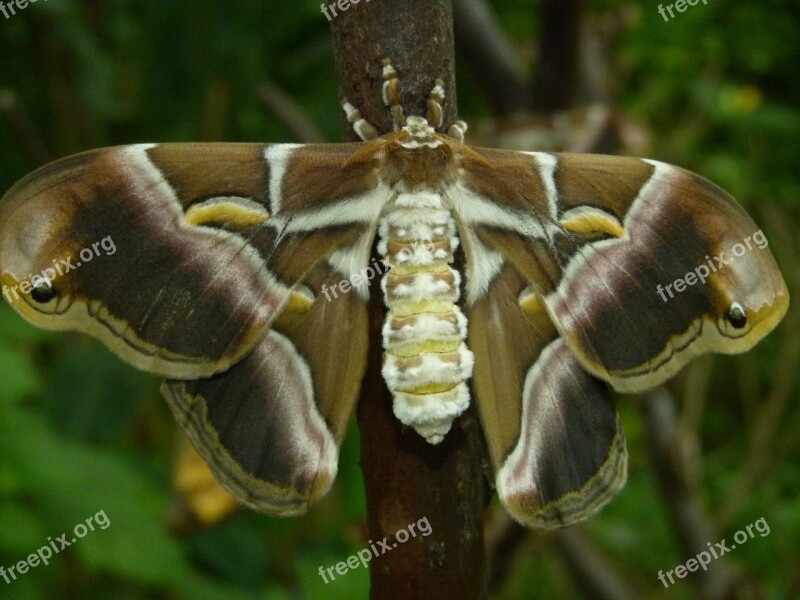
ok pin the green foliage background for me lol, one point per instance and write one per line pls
(718, 87)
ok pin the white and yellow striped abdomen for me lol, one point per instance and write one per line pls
(426, 362)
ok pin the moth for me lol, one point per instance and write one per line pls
(526, 282)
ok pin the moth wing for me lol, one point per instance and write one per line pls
(270, 427)
(601, 237)
(613, 305)
(552, 430)
(210, 244)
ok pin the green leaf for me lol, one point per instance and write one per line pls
(73, 482)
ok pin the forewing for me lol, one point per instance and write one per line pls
(613, 304)
(600, 238)
(210, 244)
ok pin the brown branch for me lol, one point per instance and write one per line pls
(591, 570)
(406, 478)
(692, 525)
(504, 536)
(281, 105)
(557, 72)
(491, 59)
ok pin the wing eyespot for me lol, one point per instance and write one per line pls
(737, 315)
(43, 292)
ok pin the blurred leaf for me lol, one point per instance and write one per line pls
(60, 471)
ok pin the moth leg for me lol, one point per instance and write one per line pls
(436, 114)
(391, 94)
(457, 131)
(363, 128)
(435, 99)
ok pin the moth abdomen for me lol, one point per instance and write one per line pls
(426, 360)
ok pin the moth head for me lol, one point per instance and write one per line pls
(419, 128)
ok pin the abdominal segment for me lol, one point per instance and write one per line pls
(426, 361)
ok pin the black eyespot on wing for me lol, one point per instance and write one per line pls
(43, 291)
(737, 316)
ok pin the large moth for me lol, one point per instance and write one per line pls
(526, 282)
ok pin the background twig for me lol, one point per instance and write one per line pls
(281, 105)
(692, 525)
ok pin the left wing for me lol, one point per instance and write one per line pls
(210, 264)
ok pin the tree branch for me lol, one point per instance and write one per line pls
(490, 56)
(406, 478)
(556, 78)
(692, 524)
(281, 105)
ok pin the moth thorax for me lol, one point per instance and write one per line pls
(420, 165)
(426, 361)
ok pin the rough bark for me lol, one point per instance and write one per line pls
(407, 479)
